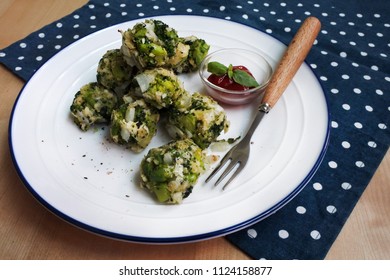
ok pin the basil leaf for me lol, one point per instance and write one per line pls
(230, 71)
(216, 68)
(243, 78)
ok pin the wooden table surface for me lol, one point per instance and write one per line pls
(29, 231)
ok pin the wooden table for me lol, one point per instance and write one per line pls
(29, 231)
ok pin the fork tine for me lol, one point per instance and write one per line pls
(220, 165)
(238, 170)
(229, 168)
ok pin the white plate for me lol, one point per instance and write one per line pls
(93, 183)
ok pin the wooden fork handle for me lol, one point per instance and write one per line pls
(292, 59)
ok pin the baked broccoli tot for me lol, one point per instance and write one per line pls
(134, 124)
(171, 171)
(92, 104)
(203, 121)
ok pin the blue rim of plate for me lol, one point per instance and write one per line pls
(170, 240)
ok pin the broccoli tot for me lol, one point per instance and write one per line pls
(171, 171)
(149, 44)
(93, 103)
(113, 72)
(160, 87)
(197, 51)
(152, 44)
(134, 124)
(203, 121)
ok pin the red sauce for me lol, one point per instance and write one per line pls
(225, 82)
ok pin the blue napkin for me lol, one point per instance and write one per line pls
(350, 60)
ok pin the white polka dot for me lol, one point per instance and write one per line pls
(76, 37)
(57, 47)
(379, 92)
(40, 46)
(367, 77)
(331, 209)
(92, 17)
(108, 15)
(334, 90)
(343, 54)
(59, 37)
(334, 64)
(92, 26)
(372, 144)
(369, 108)
(346, 107)
(172, 9)
(189, 10)
(206, 11)
(334, 124)
(222, 8)
(357, 90)
(76, 26)
(23, 45)
(374, 67)
(315, 234)
(38, 58)
(268, 30)
(91, 6)
(19, 58)
(283, 234)
(332, 164)
(41, 35)
(301, 210)
(156, 7)
(379, 34)
(358, 125)
(382, 126)
(314, 66)
(361, 34)
(2, 54)
(245, 16)
(18, 68)
(317, 186)
(252, 233)
(363, 54)
(124, 13)
(354, 64)
(345, 77)
(323, 78)
(138, 5)
(359, 164)
(76, 16)
(346, 186)
(287, 29)
(346, 144)
(59, 25)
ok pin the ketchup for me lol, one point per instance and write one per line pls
(225, 82)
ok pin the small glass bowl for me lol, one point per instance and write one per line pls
(256, 64)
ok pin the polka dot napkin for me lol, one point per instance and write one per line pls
(350, 59)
